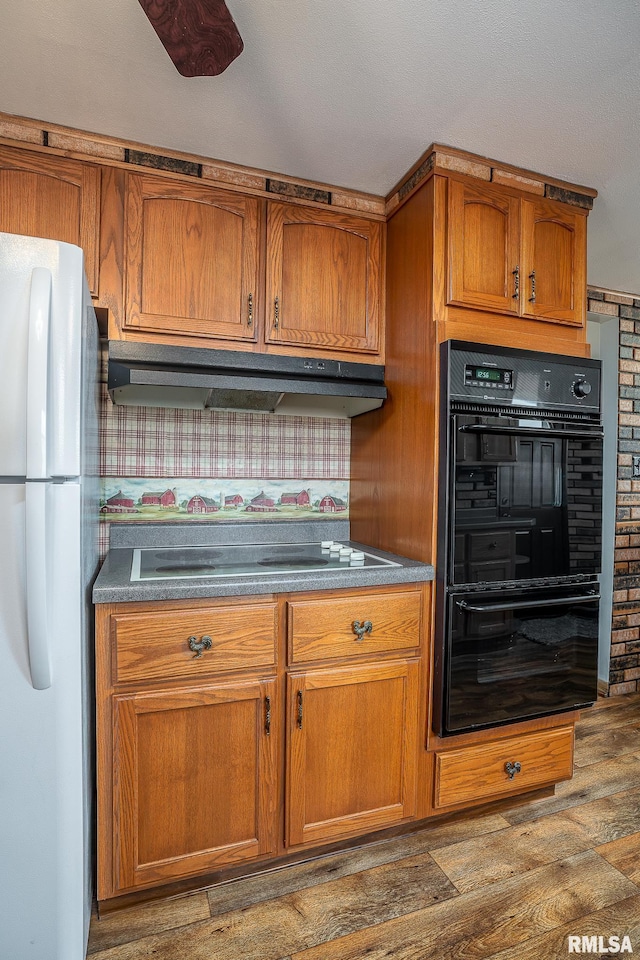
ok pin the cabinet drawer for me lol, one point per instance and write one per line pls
(480, 771)
(155, 645)
(321, 629)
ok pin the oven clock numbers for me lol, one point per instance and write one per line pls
(484, 376)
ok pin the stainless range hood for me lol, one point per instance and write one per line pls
(159, 375)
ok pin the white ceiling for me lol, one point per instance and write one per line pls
(351, 92)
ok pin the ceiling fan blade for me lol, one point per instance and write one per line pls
(199, 35)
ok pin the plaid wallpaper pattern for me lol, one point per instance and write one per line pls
(162, 442)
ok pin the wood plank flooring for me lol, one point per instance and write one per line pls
(512, 882)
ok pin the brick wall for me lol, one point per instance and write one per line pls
(624, 670)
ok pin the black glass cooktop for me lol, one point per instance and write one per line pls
(250, 560)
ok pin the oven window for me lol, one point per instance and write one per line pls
(518, 654)
(525, 503)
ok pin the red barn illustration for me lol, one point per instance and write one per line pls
(330, 504)
(233, 501)
(118, 503)
(159, 499)
(301, 499)
(261, 504)
(199, 504)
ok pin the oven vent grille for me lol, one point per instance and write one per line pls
(460, 406)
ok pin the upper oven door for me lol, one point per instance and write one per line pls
(525, 499)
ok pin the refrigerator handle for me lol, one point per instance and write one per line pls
(36, 584)
(37, 372)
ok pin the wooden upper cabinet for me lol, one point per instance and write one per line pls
(191, 260)
(554, 255)
(484, 239)
(352, 750)
(515, 256)
(324, 277)
(52, 197)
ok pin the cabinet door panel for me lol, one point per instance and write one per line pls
(194, 780)
(483, 247)
(192, 260)
(352, 750)
(554, 257)
(54, 198)
(324, 269)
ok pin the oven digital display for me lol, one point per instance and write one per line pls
(475, 375)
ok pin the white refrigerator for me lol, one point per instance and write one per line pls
(49, 400)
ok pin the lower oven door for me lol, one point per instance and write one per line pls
(516, 654)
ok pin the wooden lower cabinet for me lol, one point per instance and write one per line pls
(352, 750)
(233, 733)
(194, 780)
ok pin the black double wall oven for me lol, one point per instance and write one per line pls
(519, 536)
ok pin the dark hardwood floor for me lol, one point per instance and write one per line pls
(511, 882)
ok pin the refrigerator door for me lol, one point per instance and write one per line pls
(44, 775)
(40, 364)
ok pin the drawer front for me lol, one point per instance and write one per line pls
(491, 769)
(193, 643)
(354, 626)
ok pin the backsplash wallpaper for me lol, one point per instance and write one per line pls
(207, 465)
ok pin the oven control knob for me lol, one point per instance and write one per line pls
(581, 388)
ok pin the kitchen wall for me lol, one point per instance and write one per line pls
(624, 663)
(160, 464)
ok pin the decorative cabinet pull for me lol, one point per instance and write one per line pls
(198, 647)
(532, 277)
(267, 715)
(250, 313)
(512, 768)
(516, 283)
(276, 312)
(361, 628)
(299, 710)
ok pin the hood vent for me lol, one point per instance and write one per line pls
(159, 375)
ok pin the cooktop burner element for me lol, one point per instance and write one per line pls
(249, 560)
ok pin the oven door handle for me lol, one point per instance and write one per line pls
(532, 431)
(528, 604)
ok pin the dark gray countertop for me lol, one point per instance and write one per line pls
(113, 584)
